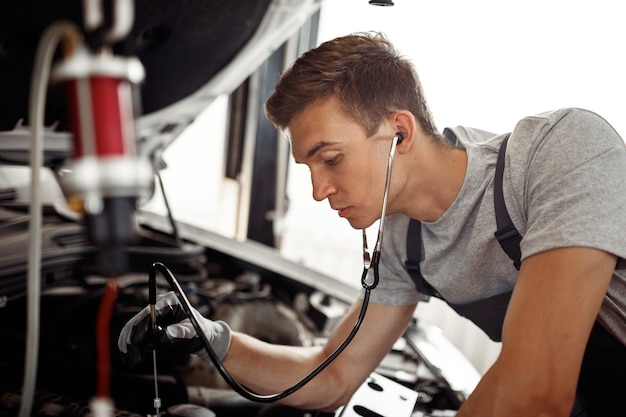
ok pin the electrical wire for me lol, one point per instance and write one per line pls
(168, 210)
(241, 390)
(38, 89)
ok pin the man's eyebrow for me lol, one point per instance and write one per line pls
(319, 145)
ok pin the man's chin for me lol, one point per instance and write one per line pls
(360, 223)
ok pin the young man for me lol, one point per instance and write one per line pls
(340, 105)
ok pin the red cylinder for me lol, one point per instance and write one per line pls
(101, 116)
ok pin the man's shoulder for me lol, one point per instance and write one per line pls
(461, 136)
(554, 121)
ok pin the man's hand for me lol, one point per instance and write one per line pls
(176, 333)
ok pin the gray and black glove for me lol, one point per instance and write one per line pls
(176, 335)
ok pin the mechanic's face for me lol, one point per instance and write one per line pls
(347, 167)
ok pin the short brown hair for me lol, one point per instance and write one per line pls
(364, 71)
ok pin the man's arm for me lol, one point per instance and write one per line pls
(554, 305)
(267, 368)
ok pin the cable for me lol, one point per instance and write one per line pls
(152, 298)
(244, 392)
(38, 88)
(168, 208)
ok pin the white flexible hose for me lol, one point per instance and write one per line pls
(36, 111)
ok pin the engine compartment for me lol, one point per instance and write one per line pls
(267, 305)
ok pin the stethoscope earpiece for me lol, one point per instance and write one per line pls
(400, 137)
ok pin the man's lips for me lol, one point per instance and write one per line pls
(343, 212)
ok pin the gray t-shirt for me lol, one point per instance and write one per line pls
(564, 185)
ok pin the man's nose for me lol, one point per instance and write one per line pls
(322, 186)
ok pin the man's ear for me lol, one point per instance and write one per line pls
(407, 127)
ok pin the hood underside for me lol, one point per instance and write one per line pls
(192, 51)
(181, 45)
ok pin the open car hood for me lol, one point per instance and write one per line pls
(192, 52)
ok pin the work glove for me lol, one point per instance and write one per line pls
(176, 333)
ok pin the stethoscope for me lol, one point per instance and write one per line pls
(375, 259)
(368, 263)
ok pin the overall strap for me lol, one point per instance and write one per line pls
(488, 314)
(507, 234)
(413, 253)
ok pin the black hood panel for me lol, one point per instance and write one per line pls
(182, 44)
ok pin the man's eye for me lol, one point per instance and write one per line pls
(332, 161)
